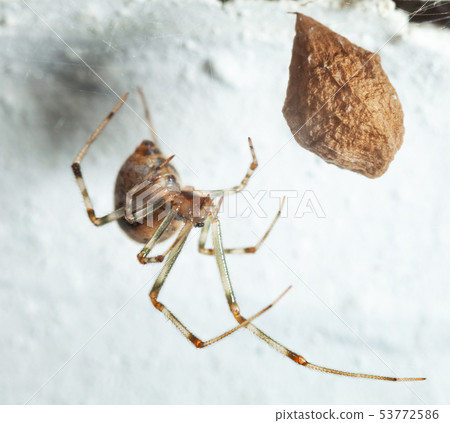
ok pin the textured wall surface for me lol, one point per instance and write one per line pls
(370, 279)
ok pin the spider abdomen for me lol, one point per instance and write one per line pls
(135, 171)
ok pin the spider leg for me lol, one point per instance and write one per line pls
(174, 252)
(116, 214)
(247, 250)
(244, 182)
(153, 134)
(143, 254)
(231, 299)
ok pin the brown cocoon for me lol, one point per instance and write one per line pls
(339, 102)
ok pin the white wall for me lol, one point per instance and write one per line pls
(370, 289)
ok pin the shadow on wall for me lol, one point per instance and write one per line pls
(63, 95)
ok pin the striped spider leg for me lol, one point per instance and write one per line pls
(76, 168)
(174, 252)
(116, 214)
(240, 250)
(244, 182)
(219, 253)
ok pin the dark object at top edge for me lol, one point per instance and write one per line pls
(437, 13)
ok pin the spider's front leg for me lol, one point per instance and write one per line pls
(143, 254)
(247, 250)
(116, 214)
(154, 293)
(153, 134)
(232, 303)
(233, 190)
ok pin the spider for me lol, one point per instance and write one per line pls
(151, 207)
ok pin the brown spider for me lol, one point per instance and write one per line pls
(148, 178)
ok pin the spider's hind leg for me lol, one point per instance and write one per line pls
(231, 299)
(143, 254)
(154, 293)
(153, 134)
(244, 182)
(116, 214)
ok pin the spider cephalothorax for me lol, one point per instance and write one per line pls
(151, 207)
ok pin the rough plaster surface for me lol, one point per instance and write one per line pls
(370, 289)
